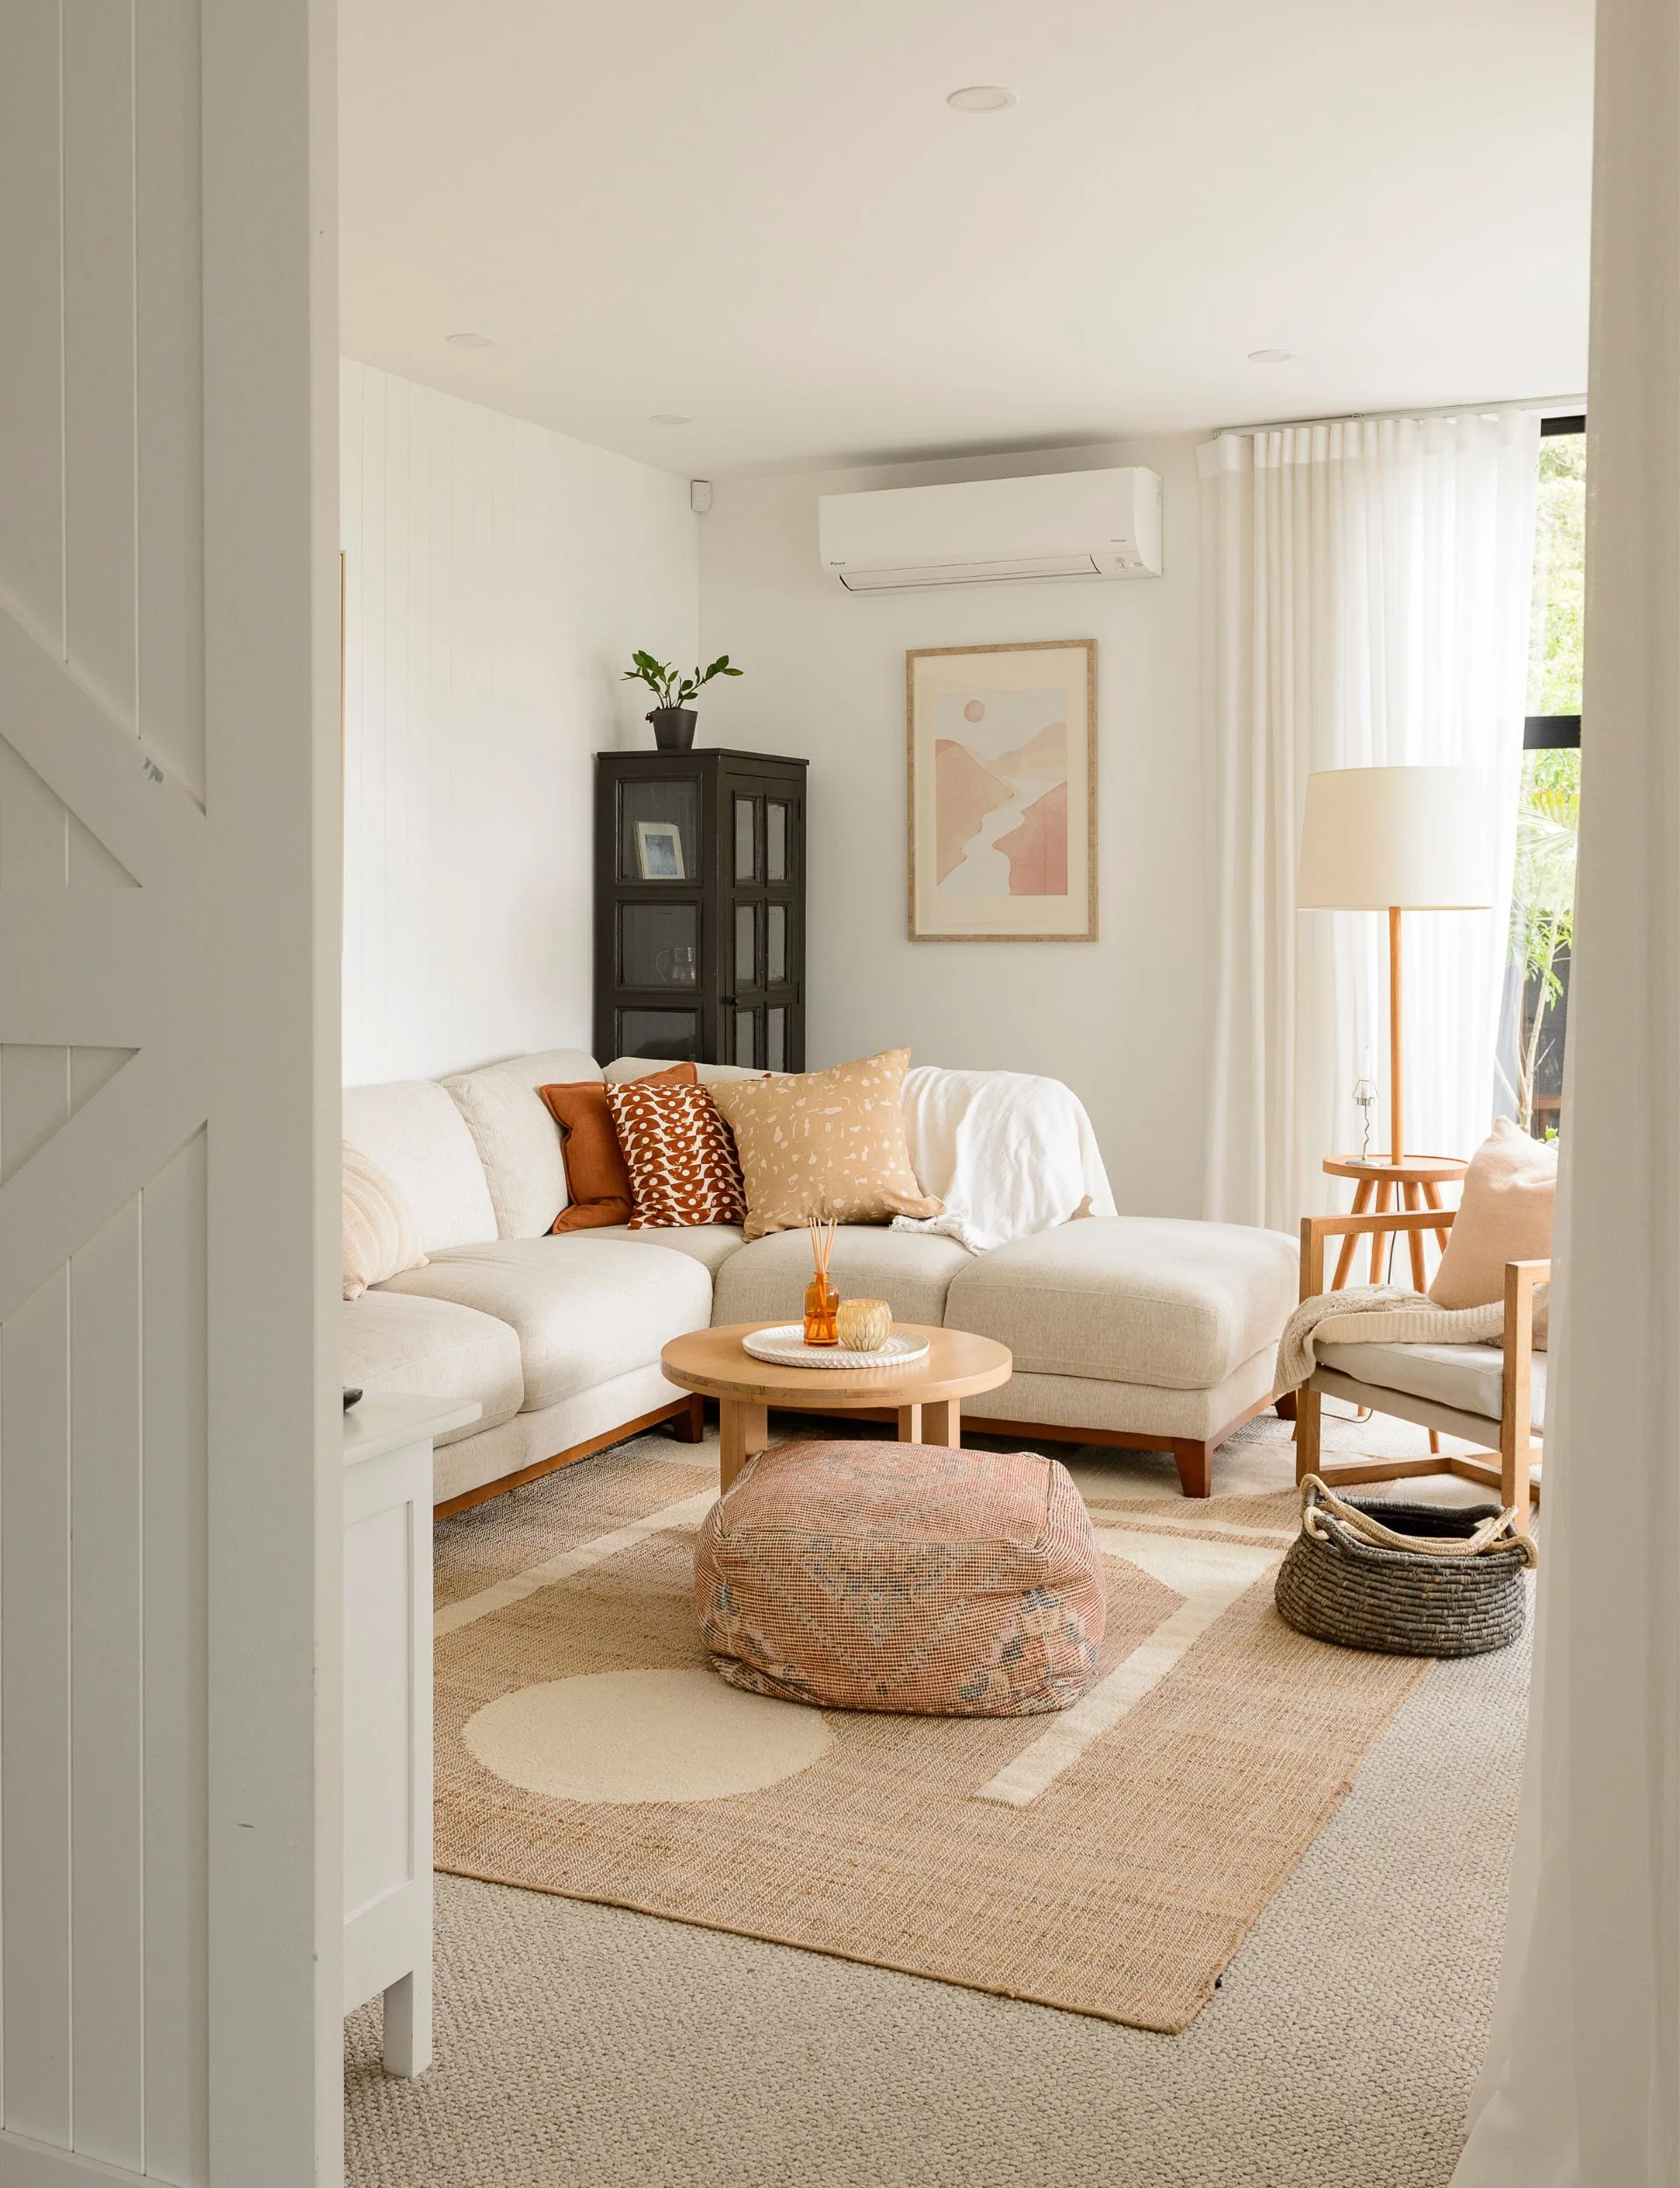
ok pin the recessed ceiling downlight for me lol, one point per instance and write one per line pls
(468, 341)
(981, 98)
(669, 417)
(1271, 356)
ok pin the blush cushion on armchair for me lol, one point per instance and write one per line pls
(903, 1576)
(1510, 1192)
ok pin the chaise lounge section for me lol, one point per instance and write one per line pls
(1140, 1331)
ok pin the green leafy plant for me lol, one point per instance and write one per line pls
(1542, 900)
(667, 684)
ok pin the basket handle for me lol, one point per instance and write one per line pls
(1498, 1532)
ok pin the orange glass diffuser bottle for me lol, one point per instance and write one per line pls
(822, 1301)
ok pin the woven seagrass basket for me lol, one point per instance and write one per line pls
(1406, 1579)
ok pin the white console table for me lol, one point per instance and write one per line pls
(388, 1713)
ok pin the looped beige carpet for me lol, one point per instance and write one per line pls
(1108, 1859)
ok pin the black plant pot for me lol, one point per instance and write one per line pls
(674, 727)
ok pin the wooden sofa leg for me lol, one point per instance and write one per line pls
(1285, 1405)
(1196, 1464)
(689, 1425)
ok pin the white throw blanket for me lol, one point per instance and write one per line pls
(1387, 1313)
(1008, 1154)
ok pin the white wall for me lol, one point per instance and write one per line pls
(1122, 1019)
(498, 576)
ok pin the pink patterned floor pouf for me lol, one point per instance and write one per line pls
(903, 1576)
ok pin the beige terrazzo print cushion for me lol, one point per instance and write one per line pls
(825, 1143)
(380, 1237)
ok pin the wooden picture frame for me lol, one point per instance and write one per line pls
(1001, 762)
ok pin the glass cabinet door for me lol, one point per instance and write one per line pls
(659, 945)
(659, 829)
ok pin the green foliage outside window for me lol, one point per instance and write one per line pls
(1559, 578)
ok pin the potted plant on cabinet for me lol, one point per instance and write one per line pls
(672, 717)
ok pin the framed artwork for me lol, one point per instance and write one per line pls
(1002, 792)
(659, 850)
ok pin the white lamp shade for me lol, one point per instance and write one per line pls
(1377, 837)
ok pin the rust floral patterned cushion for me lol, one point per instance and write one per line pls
(679, 1154)
(825, 1143)
(903, 1576)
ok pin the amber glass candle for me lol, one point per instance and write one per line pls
(822, 1303)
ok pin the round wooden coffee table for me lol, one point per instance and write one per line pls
(1410, 1186)
(926, 1395)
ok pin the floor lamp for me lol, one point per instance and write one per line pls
(1395, 840)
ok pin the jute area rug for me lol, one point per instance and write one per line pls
(1108, 1859)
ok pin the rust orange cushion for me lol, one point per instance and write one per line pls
(903, 1576)
(597, 1184)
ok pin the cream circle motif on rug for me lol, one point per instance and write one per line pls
(626, 1736)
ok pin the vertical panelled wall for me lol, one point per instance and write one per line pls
(124, 891)
(497, 576)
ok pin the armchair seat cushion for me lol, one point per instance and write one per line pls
(1465, 1377)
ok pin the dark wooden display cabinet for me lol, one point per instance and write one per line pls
(700, 907)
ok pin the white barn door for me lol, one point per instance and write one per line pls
(168, 1094)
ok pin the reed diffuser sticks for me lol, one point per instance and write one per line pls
(822, 1301)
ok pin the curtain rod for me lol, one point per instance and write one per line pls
(1552, 405)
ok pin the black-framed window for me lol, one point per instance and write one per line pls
(1559, 548)
(1535, 1023)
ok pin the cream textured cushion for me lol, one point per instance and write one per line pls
(1505, 1214)
(825, 1142)
(582, 1312)
(419, 1138)
(1468, 1376)
(518, 1142)
(1131, 1299)
(429, 1348)
(911, 1270)
(380, 1237)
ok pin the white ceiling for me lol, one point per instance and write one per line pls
(762, 214)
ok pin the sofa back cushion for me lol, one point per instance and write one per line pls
(413, 1132)
(518, 1142)
(625, 1070)
(380, 1237)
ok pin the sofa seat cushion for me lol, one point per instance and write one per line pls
(911, 1270)
(582, 1309)
(1131, 1299)
(431, 1348)
(711, 1245)
(1469, 1377)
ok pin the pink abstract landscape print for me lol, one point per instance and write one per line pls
(1000, 822)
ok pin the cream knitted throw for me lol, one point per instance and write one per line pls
(1386, 1313)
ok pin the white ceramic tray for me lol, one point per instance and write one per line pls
(785, 1346)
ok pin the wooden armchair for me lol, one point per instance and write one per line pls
(1457, 1389)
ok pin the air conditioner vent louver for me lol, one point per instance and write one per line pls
(1068, 525)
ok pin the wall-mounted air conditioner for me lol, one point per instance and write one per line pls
(994, 531)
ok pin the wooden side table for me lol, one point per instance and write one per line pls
(926, 1395)
(1383, 1188)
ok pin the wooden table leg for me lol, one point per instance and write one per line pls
(1412, 1193)
(743, 1432)
(1363, 1193)
(1379, 1239)
(909, 1424)
(941, 1421)
(1433, 1196)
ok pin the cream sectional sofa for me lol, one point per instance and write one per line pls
(1136, 1330)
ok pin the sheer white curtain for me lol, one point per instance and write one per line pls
(1581, 2088)
(1366, 588)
